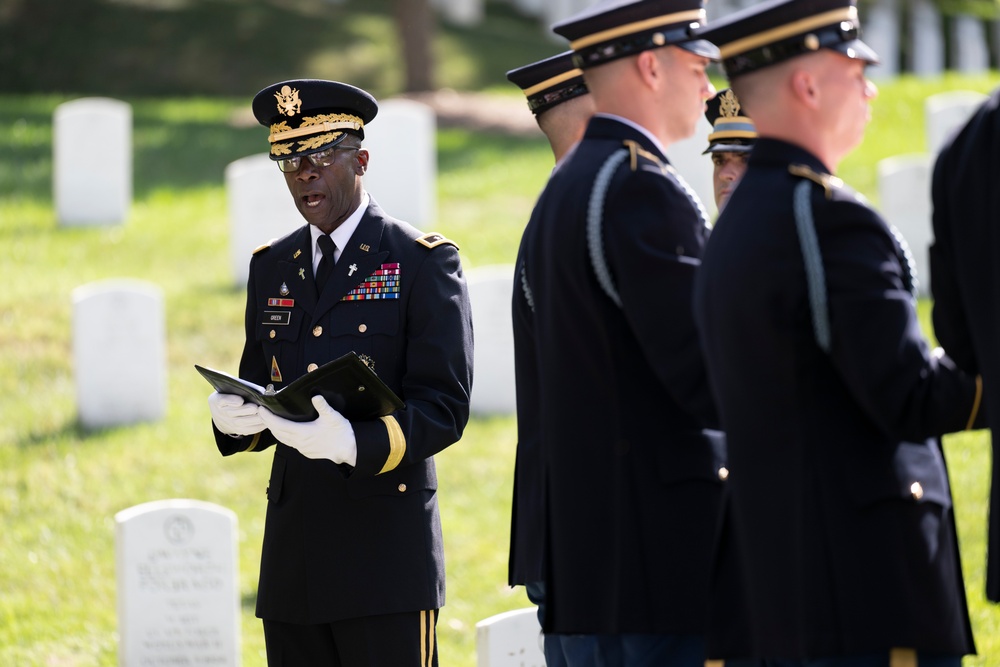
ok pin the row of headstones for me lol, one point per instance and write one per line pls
(884, 29)
(119, 332)
(178, 597)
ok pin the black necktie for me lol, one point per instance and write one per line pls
(327, 246)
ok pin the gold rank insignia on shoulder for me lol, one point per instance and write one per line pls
(263, 246)
(434, 239)
(829, 182)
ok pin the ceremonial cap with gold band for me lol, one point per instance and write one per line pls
(613, 29)
(775, 31)
(732, 132)
(306, 116)
(550, 82)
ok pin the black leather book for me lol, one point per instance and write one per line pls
(347, 384)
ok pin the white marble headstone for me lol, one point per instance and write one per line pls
(178, 593)
(511, 639)
(882, 33)
(490, 291)
(260, 209)
(971, 53)
(92, 161)
(904, 184)
(402, 172)
(119, 352)
(946, 112)
(927, 38)
(461, 12)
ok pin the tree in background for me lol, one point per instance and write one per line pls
(415, 27)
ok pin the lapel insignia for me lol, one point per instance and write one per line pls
(302, 274)
(365, 247)
(296, 255)
(383, 284)
(283, 291)
(353, 267)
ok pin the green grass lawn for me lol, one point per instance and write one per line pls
(60, 486)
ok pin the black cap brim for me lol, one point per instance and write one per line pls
(728, 148)
(857, 50)
(701, 47)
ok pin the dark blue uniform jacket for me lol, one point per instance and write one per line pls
(612, 438)
(837, 532)
(341, 543)
(965, 275)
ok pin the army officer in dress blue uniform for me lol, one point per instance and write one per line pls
(352, 569)
(631, 474)
(964, 283)
(837, 542)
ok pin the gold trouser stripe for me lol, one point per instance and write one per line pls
(975, 403)
(548, 83)
(638, 26)
(715, 663)
(397, 443)
(313, 129)
(902, 657)
(253, 443)
(788, 30)
(427, 638)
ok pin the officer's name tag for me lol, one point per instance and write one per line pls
(277, 317)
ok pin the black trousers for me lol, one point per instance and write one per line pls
(392, 640)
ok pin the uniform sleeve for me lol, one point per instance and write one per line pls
(254, 369)
(437, 380)
(655, 239)
(877, 344)
(951, 325)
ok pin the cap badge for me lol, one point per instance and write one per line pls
(289, 103)
(729, 106)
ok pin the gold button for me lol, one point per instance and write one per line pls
(317, 331)
(311, 367)
(723, 473)
(362, 328)
(916, 491)
(273, 333)
(401, 487)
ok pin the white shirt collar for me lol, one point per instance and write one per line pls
(634, 125)
(341, 235)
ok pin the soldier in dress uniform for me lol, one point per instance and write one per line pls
(631, 474)
(352, 569)
(558, 97)
(966, 289)
(837, 541)
(729, 143)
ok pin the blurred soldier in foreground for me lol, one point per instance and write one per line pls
(729, 144)
(964, 282)
(837, 543)
(558, 98)
(631, 476)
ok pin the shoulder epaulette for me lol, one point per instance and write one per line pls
(829, 183)
(636, 151)
(263, 246)
(434, 239)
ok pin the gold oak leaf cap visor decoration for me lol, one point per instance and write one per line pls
(306, 116)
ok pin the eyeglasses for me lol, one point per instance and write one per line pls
(318, 160)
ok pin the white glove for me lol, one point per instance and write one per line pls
(233, 416)
(329, 436)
